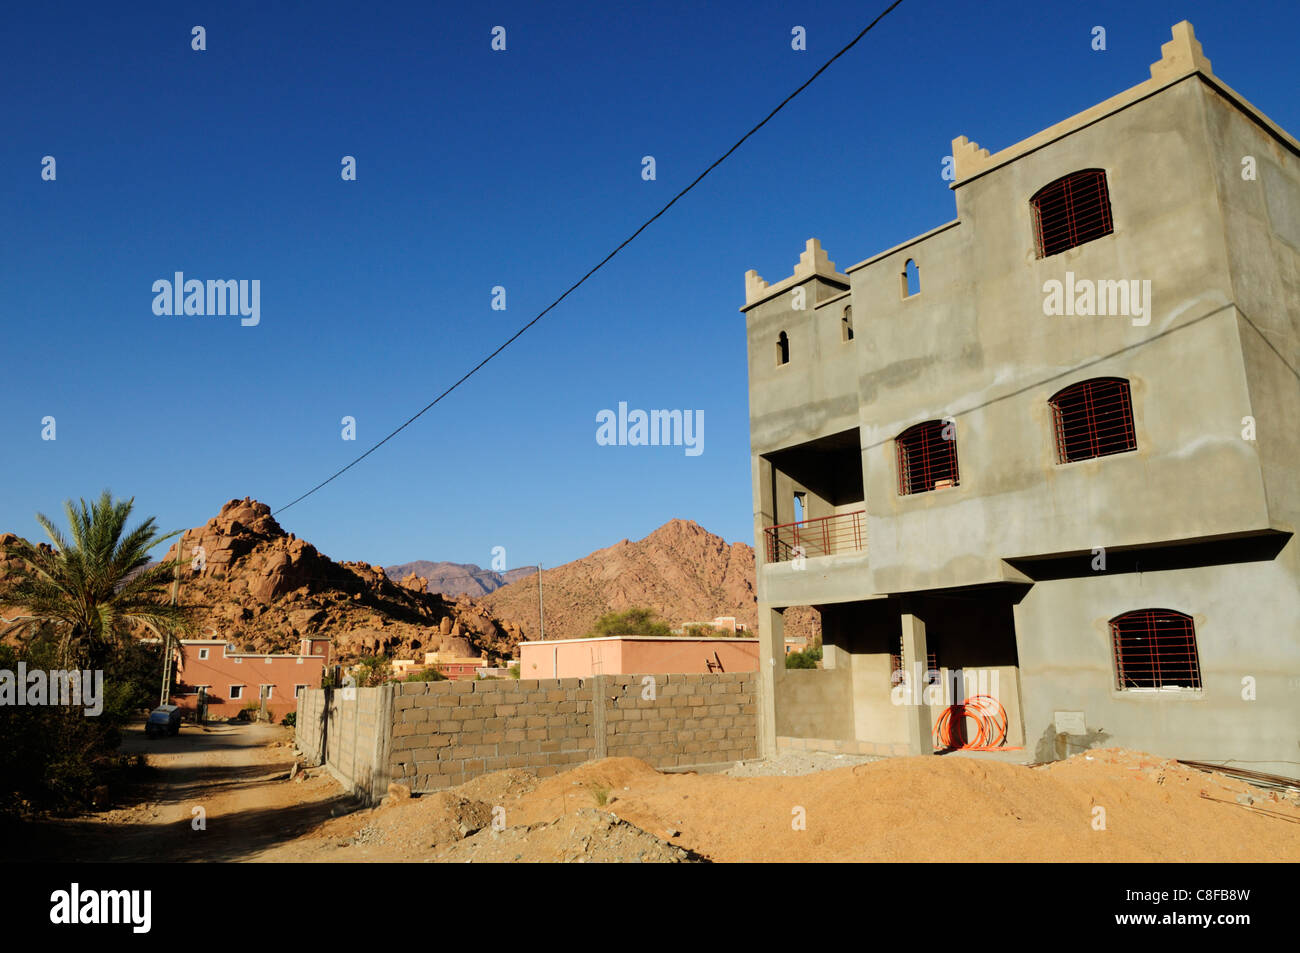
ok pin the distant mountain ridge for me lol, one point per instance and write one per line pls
(681, 570)
(456, 579)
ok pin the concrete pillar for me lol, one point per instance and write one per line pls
(920, 737)
(598, 717)
(771, 669)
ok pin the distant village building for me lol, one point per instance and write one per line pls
(1049, 448)
(636, 655)
(211, 675)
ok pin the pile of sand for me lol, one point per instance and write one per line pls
(1105, 805)
(585, 836)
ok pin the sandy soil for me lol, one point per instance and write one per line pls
(1105, 805)
(914, 809)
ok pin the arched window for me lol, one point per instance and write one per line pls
(927, 457)
(1155, 648)
(1093, 419)
(846, 324)
(782, 349)
(910, 279)
(1070, 211)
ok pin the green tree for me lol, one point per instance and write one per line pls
(95, 588)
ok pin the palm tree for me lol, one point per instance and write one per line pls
(95, 591)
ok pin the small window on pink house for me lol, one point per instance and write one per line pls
(236, 692)
(203, 653)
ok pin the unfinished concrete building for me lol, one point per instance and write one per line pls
(1049, 447)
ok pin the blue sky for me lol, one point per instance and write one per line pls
(477, 169)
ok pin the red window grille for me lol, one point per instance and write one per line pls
(1071, 211)
(927, 459)
(1093, 419)
(1155, 648)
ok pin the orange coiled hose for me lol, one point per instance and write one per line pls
(990, 725)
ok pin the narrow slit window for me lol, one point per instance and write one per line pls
(782, 349)
(910, 279)
(1071, 211)
(846, 324)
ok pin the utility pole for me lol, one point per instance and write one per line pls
(167, 635)
(541, 615)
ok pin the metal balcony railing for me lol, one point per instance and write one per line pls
(823, 536)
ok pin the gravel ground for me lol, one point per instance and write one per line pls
(791, 763)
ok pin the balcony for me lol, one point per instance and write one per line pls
(823, 536)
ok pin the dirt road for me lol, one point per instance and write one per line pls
(217, 793)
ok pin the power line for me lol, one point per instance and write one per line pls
(577, 284)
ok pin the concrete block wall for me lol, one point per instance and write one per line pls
(349, 735)
(692, 719)
(444, 733)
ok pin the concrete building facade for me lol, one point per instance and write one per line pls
(1050, 446)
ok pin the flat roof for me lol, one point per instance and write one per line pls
(643, 638)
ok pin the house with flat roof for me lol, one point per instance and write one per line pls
(212, 677)
(1047, 452)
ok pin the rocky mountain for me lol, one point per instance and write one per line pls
(456, 579)
(263, 589)
(681, 570)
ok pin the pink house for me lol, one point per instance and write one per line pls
(635, 655)
(228, 681)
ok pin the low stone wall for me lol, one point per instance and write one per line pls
(433, 735)
(445, 733)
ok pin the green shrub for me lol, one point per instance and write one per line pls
(430, 674)
(372, 671)
(801, 660)
(514, 670)
(52, 758)
(290, 720)
(635, 621)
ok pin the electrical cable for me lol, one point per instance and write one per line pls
(574, 287)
